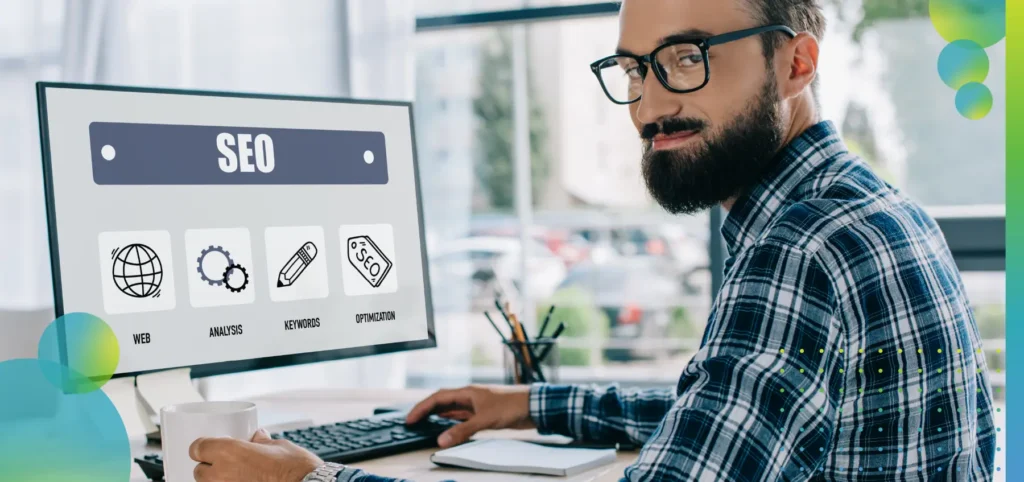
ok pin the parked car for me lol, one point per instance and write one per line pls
(639, 294)
(484, 258)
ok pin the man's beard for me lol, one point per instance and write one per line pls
(724, 166)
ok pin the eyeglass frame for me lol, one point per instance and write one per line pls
(704, 45)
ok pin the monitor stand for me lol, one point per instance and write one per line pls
(170, 387)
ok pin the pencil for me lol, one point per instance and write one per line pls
(521, 337)
(505, 316)
(515, 353)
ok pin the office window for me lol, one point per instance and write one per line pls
(882, 88)
(593, 233)
(631, 283)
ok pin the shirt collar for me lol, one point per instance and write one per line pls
(753, 211)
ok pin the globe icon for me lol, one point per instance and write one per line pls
(138, 271)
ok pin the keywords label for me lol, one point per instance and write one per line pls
(302, 324)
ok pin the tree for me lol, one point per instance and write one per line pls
(877, 10)
(495, 143)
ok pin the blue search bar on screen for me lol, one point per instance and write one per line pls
(164, 154)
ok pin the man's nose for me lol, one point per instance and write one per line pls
(656, 102)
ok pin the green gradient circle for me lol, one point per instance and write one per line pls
(974, 101)
(983, 21)
(963, 62)
(92, 351)
(48, 435)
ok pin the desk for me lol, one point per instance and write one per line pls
(329, 406)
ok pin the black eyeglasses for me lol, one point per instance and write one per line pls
(681, 66)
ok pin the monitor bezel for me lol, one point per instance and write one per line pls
(236, 366)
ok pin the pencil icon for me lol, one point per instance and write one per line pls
(296, 265)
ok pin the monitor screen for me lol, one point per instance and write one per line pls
(229, 232)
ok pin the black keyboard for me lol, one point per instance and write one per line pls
(347, 442)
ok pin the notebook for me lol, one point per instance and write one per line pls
(498, 455)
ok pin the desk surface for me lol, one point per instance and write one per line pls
(328, 406)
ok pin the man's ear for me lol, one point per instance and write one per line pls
(800, 55)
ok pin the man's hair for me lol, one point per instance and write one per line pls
(799, 15)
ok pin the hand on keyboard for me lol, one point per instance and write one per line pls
(481, 408)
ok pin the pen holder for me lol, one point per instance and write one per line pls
(531, 362)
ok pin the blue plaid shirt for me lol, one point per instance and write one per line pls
(841, 346)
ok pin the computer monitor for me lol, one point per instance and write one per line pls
(229, 232)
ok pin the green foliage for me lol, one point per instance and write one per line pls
(991, 321)
(878, 10)
(575, 307)
(681, 326)
(495, 141)
(479, 357)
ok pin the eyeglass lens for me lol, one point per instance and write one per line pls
(682, 66)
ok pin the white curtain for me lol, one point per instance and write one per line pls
(29, 51)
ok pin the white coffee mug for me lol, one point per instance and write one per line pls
(180, 425)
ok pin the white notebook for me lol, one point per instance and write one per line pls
(498, 455)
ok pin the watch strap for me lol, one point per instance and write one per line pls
(324, 473)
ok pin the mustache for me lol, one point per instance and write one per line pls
(671, 126)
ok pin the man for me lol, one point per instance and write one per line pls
(841, 345)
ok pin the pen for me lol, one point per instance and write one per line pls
(553, 337)
(502, 335)
(544, 325)
(588, 445)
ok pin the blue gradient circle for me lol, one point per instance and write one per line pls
(90, 349)
(974, 101)
(963, 62)
(983, 21)
(48, 435)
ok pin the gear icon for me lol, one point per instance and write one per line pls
(202, 258)
(233, 286)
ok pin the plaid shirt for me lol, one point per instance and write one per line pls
(841, 346)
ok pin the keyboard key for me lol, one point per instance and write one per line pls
(321, 452)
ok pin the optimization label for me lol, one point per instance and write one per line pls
(164, 154)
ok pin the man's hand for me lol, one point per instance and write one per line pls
(479, 407)
(262, 460)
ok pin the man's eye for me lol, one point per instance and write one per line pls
(633, 72)
(691, 60)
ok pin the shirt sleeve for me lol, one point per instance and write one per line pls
(606, 415)
(758, 401)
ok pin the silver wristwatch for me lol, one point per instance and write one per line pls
(324, 473)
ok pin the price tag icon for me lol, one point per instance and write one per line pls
(368, 259)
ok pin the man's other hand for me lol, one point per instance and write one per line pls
(479, 407)
(261, 460)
